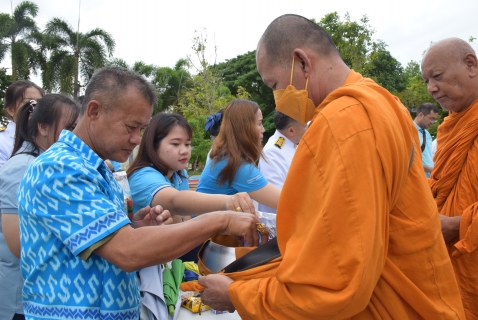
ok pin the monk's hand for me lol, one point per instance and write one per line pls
(243, 226)
(215, 293)
(240, 202)
(450, 227)
(148, 216)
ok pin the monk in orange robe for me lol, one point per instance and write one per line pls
(357, 227)
(450, 70)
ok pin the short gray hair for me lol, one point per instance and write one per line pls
(109, 84)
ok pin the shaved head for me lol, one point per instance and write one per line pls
(289, 32)
(452, 48)
(450, 70)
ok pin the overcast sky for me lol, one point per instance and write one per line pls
(160, 32)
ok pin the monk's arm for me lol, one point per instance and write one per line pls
(468, 231)
(337, 230)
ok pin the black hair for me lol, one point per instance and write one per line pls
(16, 92)
(49, 110)
(426, 108)
(159, 127)
(282, 121)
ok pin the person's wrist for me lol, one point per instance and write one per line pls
(223, 220)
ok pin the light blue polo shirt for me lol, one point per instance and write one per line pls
(7, 139)
(427, 156)
(68, 201)
(11, 281)
(144, 183)
(247, 179)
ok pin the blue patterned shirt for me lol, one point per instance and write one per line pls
(68, 201)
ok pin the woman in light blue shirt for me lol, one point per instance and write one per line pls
(38, 127)
(234, 155)
(158, 174)
(16, 95)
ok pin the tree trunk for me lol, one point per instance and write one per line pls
(14, 69)
(76, 85)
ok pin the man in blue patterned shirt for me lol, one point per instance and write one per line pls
(79, 249)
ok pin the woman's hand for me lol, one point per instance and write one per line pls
(148, 216)
(240, 202)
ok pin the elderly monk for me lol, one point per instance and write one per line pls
(450, 70)
(357, 227)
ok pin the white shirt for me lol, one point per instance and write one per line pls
(434, 148)
(278, 152)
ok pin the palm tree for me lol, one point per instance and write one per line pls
(19, 33)
(74, 55)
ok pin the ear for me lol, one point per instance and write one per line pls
(291, 130)
(43, 129)
(471, 64)
(94, 109)
(305, 61)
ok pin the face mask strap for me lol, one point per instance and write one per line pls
(292, 72)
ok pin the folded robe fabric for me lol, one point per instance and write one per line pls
(358, 230)
(454, 185)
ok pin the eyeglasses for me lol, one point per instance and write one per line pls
(432, 119)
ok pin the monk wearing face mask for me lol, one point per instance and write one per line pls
(357, 226)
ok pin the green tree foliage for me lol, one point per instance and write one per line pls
(415, 91)
(200, 141)
(169, 83)
(363, 54)
(5, 81)
(352, 38)
(74, 55)
(207, 93)
(384, 69)
(240, 73)
(5, 22)
(20, 34)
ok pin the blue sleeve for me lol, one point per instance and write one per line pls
(144, 183)
(248, 178)
(73, 201)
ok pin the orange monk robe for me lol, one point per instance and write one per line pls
(454, 184)
(359, 232)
